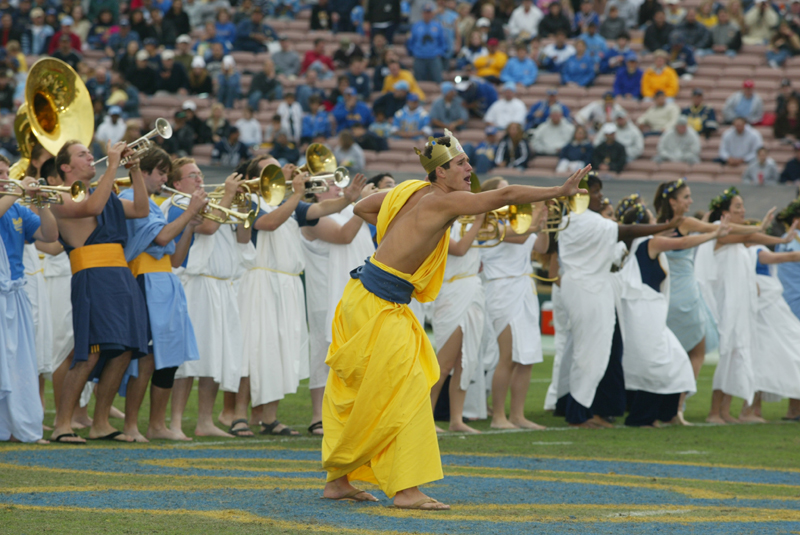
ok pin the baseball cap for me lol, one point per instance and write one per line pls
(115, 110)
(556, 108)
(151, 41)
(183, 39)
(786, 82)
(37, 12)
(428, 6)
(228, 62)
(608, 95)
(552, 92)
(492, 42)
(491, 130)
(167, 55)
(142, 55)
(349, 92)
(124, 22)
(198, 62)
(446, 87)
(749, 84)
(283, 37)
(620, 113)
(67, 21)
(682, 120)
(511, 86)
(697, 91)
(659, 93)
(631, 56)
(189, 105)
(483, 22)
(609, 128)
(412, 97)
(402, 85)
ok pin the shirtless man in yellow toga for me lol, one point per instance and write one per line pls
(376, 413)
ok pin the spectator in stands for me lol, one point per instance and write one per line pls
(626, 135)
(284, 150)
(656, 36)
(598, 112)
(481, 156)
(554, 21)
(230, 151)
(614, 25)
(478, 96)
(736, 12)
(8, 142)
(205, 46)
(224, 27)
(177, 21)
(306, 90)
(472, 50)
(287, 61)
(265, 85)
(660, 77)
(783, 45)
(99, 85)
(139, 24)
(787, 122)
(202, 134)
(628, 80)
(337, 93)
(628, 12)
(786, 92)
(609, 156)
(555, 54)
(390, 103)
(739, 143)
(584, 16)
(524, 21)
(660, 116)
(745, 103)
(427, 44)
(448, 110)
(123, 95)
(66, 53)
(158, 30)
(217, 123)
(412, 121)
(272, 128)
(762, 170)
(701, 118)
(726, 36)
(66, 30)
(317, 122)
(760, 22)
(681, 57)
(321, 16)
(317, 60)
(579, 70)
(351, 112)
(675, 13)
(249, 128)
(614, 57)
(199, 80)
(153, 58)
(349, 154)
(595, 43)
(577, 153)
(647, 11)
(381, 17)
(35, 38)
(7, 89)
(540, 110)
(379, 131)
(554, 134)
(346, 52)
(183, 52)
(491, 66)
(792, 15)
(98, 7)
(80, 24)
(253, 35)
(228, 82)
(172, 78)
(679, 144)
(694, 33)
(494, 28)
(358, 79)
(465, 22)
(8, 31)
(397, 74)
(507, 110)
(182, 141)
(791, 173)
(706, 15)
(520, 69)
(513, 151)
(340, 15)
(113, 127)
(291, 114)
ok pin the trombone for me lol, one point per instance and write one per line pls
(77, 191)
(517, 216)
(144, 143)
(246, 219)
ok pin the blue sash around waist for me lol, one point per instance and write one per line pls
(383, 284)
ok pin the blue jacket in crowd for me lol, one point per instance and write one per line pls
(577, 152)
(521, 72)
(595, 44)
(316, 125)
(579, 70)
(360, 114)
(427, 40)
(539, 113)
(605, 67)
(481, 92)
(627, 83)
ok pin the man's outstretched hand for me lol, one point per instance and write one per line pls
(572, 185)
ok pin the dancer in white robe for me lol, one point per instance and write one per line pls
(726, 275)
(458, 322)
(214, 261)
(40, 309)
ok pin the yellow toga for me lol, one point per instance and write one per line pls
(377, 412)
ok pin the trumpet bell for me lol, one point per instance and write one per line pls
(77, 191)
(18, 170)
(163, 128)
(272, 185)
(319, 159)
(23, 133)
(59, 107)
(519, 216)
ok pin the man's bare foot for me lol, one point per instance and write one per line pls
(110, 434)
(81, 421)
(729, 419)
(439, 430)
(210, 431)
(116, 413)
(225, 419)
(527, 424)
(588, 424)
(179, 432)
(341, 489)
(715, 419)
(165, 434)
(751, 419)
(502, 423)
(601, 422)
(42, 442)
(135, 434)
(414, 498)
(680, 420)
(461, 427)
(46, 428)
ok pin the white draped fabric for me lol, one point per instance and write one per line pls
(316, 254)
(40, 308)
(559, 384)
(58, 280)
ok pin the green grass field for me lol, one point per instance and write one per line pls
(714, 479)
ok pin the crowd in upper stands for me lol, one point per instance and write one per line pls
(184, 48)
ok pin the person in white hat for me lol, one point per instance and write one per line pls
(112, 128)
(610, 155)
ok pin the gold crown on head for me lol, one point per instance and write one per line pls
(440, 153)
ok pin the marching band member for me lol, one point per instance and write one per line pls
(459, 317)
(211, 254)
(21, 410)
(150, 244)
(789, 274)
(108, 310)
(724, 270)
(40, 311)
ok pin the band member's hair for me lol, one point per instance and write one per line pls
(242, 168)
(48, 168)
(722, 203)
(491, 183)
(665, 192)
(175, 173)
(5, 160)
(63, 157)
(156, 158)
(377, 178)
(592, 179)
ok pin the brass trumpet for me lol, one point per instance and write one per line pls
(144, 143)
(519, 217)
(561, 206)
(77, 191)
(272, 187)
(246, 219)
(122, 182)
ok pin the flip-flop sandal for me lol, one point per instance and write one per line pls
(238, 432)
(269, 429)
(313, 427)
(350, 496)
(58, 439)
(112, 437)
(418, 505)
